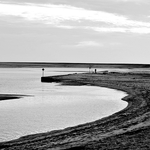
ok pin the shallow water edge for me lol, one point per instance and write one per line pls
(97, 104)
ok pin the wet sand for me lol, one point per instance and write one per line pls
(127, 129)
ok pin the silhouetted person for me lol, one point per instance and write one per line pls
(95, 71)
(90, 69)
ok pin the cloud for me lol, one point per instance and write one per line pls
(140, 30)
(121, 30)
(66, 27)
(127, 0)
(107, 29)
(136, 1)
(89, 43)
(52, 14)
(58, 15)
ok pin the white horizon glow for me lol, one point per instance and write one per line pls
(57, 14)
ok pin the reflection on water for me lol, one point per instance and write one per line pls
(50, 105)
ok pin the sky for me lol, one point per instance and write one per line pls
(78, 31)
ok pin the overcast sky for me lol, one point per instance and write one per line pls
(101, 31)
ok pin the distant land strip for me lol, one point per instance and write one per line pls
(69, 65)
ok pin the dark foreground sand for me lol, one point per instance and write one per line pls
(127, 129)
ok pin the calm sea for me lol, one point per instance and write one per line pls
(50, 106)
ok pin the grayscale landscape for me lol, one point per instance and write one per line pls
(74, 74)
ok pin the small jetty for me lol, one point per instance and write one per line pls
(50, 79)
(58, 78)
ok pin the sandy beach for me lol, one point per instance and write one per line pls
(127, 129)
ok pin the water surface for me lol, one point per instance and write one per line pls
(50, 106)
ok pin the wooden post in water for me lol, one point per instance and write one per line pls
(43, 72)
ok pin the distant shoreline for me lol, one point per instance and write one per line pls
(70, 65)
(126, 129)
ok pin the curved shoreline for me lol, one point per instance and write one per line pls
(126, 129)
